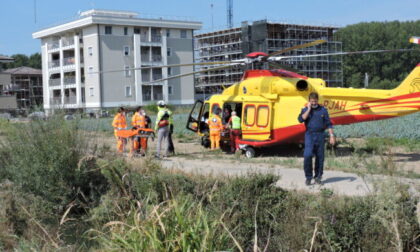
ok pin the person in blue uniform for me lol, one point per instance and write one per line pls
(316, 120)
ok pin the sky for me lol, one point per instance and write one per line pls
(20, 18)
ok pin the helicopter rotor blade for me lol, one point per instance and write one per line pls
(313, 43)
(276, 65)
(279, 58)
(192, 73)
(173, 65)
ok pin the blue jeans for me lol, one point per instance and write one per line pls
(314, 145)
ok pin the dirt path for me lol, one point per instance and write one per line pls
(339, 173)
(341, 183)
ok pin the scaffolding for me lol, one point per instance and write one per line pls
(26, 85)
(267, 37)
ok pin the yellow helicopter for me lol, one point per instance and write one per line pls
(269, 101)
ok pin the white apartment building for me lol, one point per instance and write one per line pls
(79, 59)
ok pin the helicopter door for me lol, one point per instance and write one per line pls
(256, 121)
(194, 116)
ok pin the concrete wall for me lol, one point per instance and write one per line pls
(8, 103)
(182, 52)
(5, 79)
(113, 58)
(92, 80)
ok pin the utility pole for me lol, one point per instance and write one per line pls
(366, 80)
(35, 11)
(229, 13)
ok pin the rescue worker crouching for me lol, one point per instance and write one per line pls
(120, 123)
(162, 127)
(139, 120)
(215, 127)
(235, 131)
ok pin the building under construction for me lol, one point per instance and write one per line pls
(268, 37)
(25, 83)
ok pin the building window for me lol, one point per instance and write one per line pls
(90, 70)
(169, 71)
(127, 91)
(136, 30)
(125, 30)
(170, 90)
(108, 30)
(90, 51)
(126, 50)
(127, 71)
(183, 33)
(168, 33)
(91, 91)
(168, 52)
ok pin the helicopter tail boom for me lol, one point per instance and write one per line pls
(411, 84)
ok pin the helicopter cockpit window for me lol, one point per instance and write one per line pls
(205, 114)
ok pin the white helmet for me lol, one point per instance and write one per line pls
(161, 103)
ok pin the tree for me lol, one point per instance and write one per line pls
(33, 60)
(386, 69)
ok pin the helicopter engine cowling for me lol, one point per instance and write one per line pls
(291, 86)
(302, 85)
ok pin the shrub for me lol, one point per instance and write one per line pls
(53, 161)
(179, 224)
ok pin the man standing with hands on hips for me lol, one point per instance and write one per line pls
(316, 120)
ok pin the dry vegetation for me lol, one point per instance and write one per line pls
(64, 189)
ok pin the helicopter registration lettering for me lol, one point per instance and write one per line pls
(335, 105)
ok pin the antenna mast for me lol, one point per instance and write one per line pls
(229, 13)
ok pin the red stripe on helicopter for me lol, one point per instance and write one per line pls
(368, 107)
(295, 133)
(406, 96)
(275, 73)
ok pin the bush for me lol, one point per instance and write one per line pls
(179, 224)
(54, 165)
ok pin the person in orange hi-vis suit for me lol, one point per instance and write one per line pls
(119, 123)
(215, 126)
(139, 120)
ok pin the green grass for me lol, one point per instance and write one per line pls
(405, 127)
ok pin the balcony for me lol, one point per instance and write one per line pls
(67, 42)
(55, 101)
(69, 80)
(53, 45)
(54, 63)
(156, 38)
(156, 58)
(54, 82)
(68, 61)
(70, 100)
(153, 39)
(157, 77)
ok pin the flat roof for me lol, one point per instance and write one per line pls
(123, 18)
(238, 29)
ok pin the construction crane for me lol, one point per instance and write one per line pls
(229, 4)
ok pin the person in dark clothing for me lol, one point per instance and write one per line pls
(316, 120)
(171, 146)
(227, 114)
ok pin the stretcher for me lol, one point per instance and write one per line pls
(133, 132)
